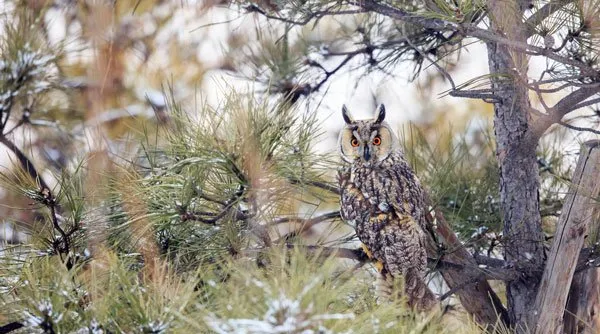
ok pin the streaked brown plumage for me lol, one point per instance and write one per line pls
(383, 199)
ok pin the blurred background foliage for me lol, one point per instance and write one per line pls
(187, 160)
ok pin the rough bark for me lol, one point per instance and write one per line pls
(571, 230)
(477, 297)
(582, 314)
(519, 176)
(583, 306)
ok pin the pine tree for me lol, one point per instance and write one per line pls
(562, 33)
(134, 206)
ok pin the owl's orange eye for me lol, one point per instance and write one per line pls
(377, 141)
(354, 142)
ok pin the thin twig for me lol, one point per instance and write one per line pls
(318, 184)
(356, 254)
(471, 31)
(544, 12)
(11, 327)
(434, 63)
(50, 202)
(25, 162)
(315, 15)
(578, 128)
(48, 198)
(310, 221)
(461, 286)
(306, 224)
(212, 218)
(585, 104)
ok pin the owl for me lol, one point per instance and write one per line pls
(383, 199)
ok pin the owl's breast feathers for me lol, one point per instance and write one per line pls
(390, 187)
(385, 205)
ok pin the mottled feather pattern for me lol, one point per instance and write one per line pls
(392, 183)
(384, 201)
(393, 238)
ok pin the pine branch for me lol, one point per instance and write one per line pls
(466, 30)
(211, 218)
(573, 101)
(305, 224)
(461, 286)
(356, 254)
(253, 8)
(47, 198)
(543, 13)
(11, 327)
(469, 30)
(318, 184)
(404, 16)
(25, 163)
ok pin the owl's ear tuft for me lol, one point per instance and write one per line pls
(380, 114)
(346, 114)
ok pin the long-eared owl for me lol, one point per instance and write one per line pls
(384, 200)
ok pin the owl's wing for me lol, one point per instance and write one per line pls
(405, 255)
(407, 196)
(403, 247)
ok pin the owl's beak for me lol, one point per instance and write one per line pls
(367, 154)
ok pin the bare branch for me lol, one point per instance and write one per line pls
(307, 224)
(399, 14)
(472, 31)
(356, 254)
(574, 101)
(11, 327)
(318, 184)
(567, 104)
(479, 298)
(461, 286)
(26, 164)
(314, 15)
(485, 94)
(578, 128)
(584, 104)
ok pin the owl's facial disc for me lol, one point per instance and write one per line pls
(366, 142)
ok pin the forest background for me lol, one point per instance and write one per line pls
(170, 166)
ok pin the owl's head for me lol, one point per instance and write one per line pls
(366, 142)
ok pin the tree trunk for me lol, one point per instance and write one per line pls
(568, 240)
(583, 306)
(515, 152)
(582, 314)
